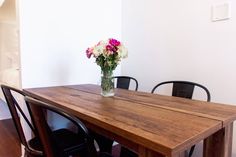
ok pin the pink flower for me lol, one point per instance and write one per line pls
(114, 49)
(89, 52)
(114, 42)
(99, 43)
(109, 48)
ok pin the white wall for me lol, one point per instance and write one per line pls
(54, 36)
(166, 40)
(176, 40)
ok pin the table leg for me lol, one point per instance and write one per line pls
(220, 143)
(145, 152)
(183, 154)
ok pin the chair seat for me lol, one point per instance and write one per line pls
(67, 140)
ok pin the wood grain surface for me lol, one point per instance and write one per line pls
(163, 124)
(222, 112)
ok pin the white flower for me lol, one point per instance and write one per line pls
(122, 51)
(99, 48)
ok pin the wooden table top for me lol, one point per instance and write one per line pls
(222, 112)
(162, 123)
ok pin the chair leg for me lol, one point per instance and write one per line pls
(25, 154)
(191, 151)
(28, 154)
(104, 143)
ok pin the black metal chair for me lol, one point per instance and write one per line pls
(71, 144)
(124, 82)
(51, 144)
(184, 89)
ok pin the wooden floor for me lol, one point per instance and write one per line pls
(9, 143)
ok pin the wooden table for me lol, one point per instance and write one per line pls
(150, 124)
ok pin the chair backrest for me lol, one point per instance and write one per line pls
(16, 110)
(50, 145)
(124, 82)
(183, 89)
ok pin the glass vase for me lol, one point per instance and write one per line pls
(107, 84)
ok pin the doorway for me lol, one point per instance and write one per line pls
(9, 51)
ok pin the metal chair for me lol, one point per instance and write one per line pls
(124, 82)
(32, 147)
(184, 89)
(71, 144)
(51, 144)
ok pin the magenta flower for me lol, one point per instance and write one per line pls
(114, 42)
(109, 48)
(114, 49)
(89, 52)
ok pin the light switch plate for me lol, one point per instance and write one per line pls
(221, 11)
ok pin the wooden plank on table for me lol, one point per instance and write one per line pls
(162, 130)
(225, 113)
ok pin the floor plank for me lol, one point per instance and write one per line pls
(9, 142)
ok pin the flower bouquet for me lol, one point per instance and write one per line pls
(108, 54)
